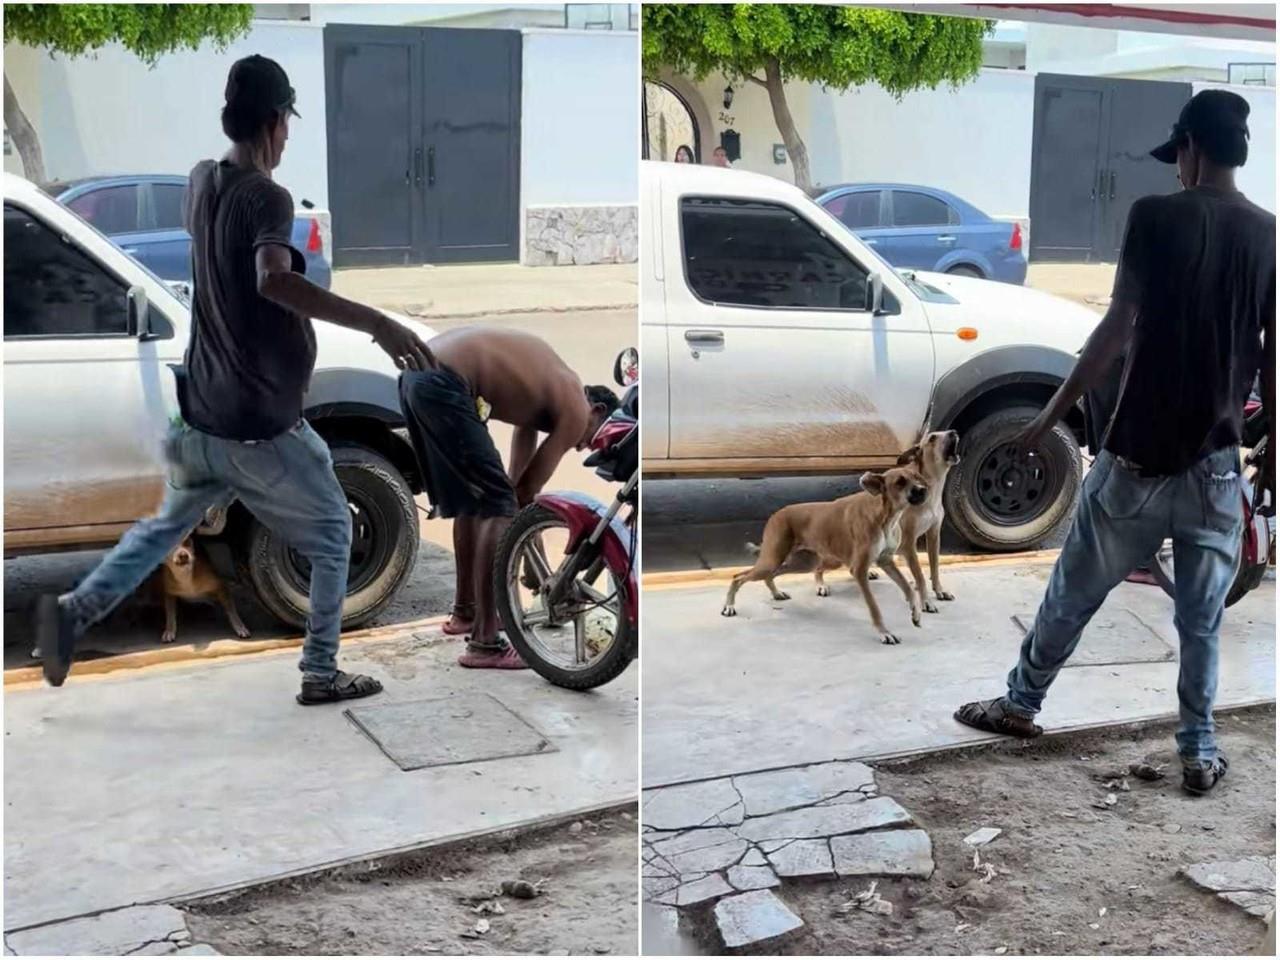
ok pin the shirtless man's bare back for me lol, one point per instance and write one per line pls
(516, 378)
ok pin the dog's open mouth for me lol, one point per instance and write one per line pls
(952, 450)
(916, 497)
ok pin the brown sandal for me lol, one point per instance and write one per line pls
(992, 716)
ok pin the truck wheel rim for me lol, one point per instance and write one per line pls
(371, 546)
(1011, 489)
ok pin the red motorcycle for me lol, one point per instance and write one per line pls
(570, 627)
(1258, 541)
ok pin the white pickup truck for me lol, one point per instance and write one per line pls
(774, 342)
(88, 395)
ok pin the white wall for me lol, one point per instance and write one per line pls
(108, 113)
(580, 137)
(974, 141)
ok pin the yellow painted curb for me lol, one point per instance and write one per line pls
(22, 678)
(692, 578)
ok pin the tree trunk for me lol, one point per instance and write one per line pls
(23, 135)
(796, 149)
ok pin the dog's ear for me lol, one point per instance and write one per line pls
(873, 483)
(914, 455)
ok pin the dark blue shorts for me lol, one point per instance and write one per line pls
(463, 471)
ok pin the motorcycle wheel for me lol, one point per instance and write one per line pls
(1243, 580)
(588, 651)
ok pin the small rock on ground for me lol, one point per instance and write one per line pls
(753, 918)
(982, 836)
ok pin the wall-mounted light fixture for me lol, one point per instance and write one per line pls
(728, 97)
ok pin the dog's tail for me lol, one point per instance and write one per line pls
(753, 548)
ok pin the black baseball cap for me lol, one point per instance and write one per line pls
(1209, 114)
(259, 81)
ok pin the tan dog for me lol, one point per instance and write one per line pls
(188, 575)
(853, 532)
(933, 456)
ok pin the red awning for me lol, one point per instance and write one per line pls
(1239, 21)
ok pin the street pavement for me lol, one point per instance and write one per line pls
(806, 681)
(167, 782)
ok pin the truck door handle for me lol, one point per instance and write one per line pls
(1112, 194)
(947, 239)
(131, 251)
(431, 166)
(704, 336)
(417, 167)
(871, 242)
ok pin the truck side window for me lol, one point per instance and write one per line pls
(757, 254)
(52, 289)
(112, 210)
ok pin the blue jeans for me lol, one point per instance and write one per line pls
(288, 483)
(1121, 521)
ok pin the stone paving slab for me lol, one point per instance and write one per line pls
(137, 931)
(778, 790)
(803, 858)
(699, 891)
(888, 853)
(754, 918)
(689, 805)
(1249, 884)
(752, 878)
(707, 859)
(825, 821)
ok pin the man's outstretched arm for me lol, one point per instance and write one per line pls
(1109, 340)
(543, 464)
(279, 284)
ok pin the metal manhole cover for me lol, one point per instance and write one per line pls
(435, 733)
(1112, 638)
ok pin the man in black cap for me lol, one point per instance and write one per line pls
(240, 391)
(1193, 315)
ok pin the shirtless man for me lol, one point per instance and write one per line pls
(517, 378)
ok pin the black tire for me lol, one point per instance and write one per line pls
(384, 544)
(1039, 512)
(964, 270)
(607, 667)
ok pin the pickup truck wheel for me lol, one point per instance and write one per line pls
(963, 270)
(995, 500)
(384, 544)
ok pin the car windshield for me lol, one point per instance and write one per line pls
(921, 290)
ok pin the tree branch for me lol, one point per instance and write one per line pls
(757, 80)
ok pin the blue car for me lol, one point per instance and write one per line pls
(928, 229)
(142, 215)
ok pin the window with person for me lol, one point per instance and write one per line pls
(756, 254)
(52, 289)
(111, 209)
(921, 210)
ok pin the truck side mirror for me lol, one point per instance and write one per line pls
(875, 294)
(139, 323)
(626, 368)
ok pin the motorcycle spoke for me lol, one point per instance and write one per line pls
(534, 558)
(580, 638)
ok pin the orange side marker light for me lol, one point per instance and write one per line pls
(967, 333)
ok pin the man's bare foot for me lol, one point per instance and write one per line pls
(460, 622)
(506, 659)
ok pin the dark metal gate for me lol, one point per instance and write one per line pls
(423, 144)
(1089, 161)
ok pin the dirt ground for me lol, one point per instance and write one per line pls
(427, 903)
(1061, 862)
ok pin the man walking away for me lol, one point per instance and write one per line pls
(248, 363)
(1193, 311)
(518, 379)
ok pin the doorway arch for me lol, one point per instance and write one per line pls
(669, 123)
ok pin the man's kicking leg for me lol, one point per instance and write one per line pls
(462, 620)
(62, 621)
(1100, 551)
(486, 647)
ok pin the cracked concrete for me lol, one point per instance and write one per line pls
(1249, 884)
(734, 843)
(142, 931)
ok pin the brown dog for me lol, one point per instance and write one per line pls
(853, 532)
(188, 575)
(933, 456)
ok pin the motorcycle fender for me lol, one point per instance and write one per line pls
(580, 514)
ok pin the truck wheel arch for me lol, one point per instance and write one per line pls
(1000, 377)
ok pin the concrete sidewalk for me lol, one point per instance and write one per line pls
(163, 783)
(805, 681)
(488, 289)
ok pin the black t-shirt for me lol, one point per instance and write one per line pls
(249, 360)
(1201, 267)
